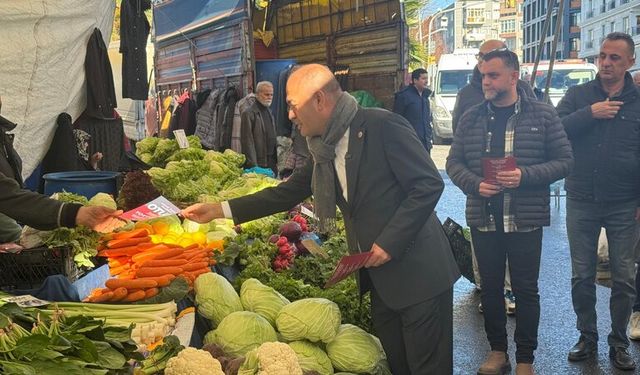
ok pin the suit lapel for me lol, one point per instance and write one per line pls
(354, 152)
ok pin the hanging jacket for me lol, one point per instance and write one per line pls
(242, 105)
(101, 93)
(226, 108)
(206, 117)
(134, 30)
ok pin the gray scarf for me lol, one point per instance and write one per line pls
(323, 151)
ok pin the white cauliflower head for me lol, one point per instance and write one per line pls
(191, 361)
(278, 358)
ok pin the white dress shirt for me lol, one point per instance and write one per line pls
(342, 147)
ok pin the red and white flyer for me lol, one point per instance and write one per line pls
(156, 208)
(347, 265)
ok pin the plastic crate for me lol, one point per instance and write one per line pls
(29, 268)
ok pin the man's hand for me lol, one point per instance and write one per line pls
(203, 212)
(378, 257)
(509, 179)
(605, 110)
(488, 190)
(99, 218)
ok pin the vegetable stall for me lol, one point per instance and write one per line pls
(167, 295)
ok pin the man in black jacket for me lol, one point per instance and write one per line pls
(472, 94)
(371, 164)
(507, 209)
(602, 120)
(412, 103)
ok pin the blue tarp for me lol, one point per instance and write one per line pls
(173, 16)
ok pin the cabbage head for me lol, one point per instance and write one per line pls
(241, 332)
(313, 319)
(312, 358)
(215, 297)
(103, 199)
(354, 350)
(262, 299)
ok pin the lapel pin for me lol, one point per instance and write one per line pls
(360, 134)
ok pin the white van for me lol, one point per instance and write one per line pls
(454, 71)
(566, 73)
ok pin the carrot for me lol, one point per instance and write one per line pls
(141, 232)
(194, 266)
(164, 262)
(151, 292)
(149, 254)
(118, 270)
(199, 272)
(104, 297)
(119, 294)
(212, 262)
(161, 280)
(131, 284)
(192, 246)
(115, 244)
(170, 254)
(135, 296)
(118, 261)
(158, 271)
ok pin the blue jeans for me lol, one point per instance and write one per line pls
(584, 220)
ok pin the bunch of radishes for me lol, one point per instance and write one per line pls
(288, 242)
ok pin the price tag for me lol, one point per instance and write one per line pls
(181, 138)
(314, 249)
(26, 301)
(156, 208)
(307, 212)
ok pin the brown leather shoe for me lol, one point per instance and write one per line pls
(524, 369)
(497, 363)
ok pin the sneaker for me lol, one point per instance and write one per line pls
(510, 302)
(603, 271)
(634, 326)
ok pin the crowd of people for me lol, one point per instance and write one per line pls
(374, 165)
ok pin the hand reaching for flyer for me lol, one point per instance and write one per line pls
(99, 218)
(378, 257)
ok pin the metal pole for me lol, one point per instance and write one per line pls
(429, 32)
(545, 29)
(554, 46)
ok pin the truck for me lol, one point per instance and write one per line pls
(566, 73)
(453, 72)
(218, 43)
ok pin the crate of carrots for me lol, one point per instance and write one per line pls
(140, 268)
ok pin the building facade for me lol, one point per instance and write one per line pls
(534, 15)
(475, 22)
(511, 31)
(601, 17)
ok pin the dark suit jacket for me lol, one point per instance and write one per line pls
(393, 188)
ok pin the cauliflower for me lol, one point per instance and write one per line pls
(271, 358)
(193, 361)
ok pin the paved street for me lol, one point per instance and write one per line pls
(557, 322)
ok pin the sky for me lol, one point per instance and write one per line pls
(434, 5)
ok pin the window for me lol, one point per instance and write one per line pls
(508, 26)
(575, 44)
(589, 36)
(535, 14)
(475, 15)
(604, 31)
(511, 43)
(573, 19)
(612, 26)
(625, 25)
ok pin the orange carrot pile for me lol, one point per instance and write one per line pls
(140, 268)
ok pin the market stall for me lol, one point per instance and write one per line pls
(241, 299)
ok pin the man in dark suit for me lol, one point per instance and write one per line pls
(371, 164)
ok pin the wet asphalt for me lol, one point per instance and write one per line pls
(557, 332)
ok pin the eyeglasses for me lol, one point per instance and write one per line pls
(480, 55)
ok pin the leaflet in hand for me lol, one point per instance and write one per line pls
(156, 208)
(491, 167)
(347, 265)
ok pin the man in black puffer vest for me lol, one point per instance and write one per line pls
(602, 120)
(506, 212)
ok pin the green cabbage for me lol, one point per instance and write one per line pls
(102, 199)
(313, 319)
(215, 297)
(354, 350)
(262, 299)
(312, 358)
(241, 332)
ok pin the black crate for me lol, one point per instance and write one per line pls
(29, 268)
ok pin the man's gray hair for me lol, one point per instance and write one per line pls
(263, 84)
